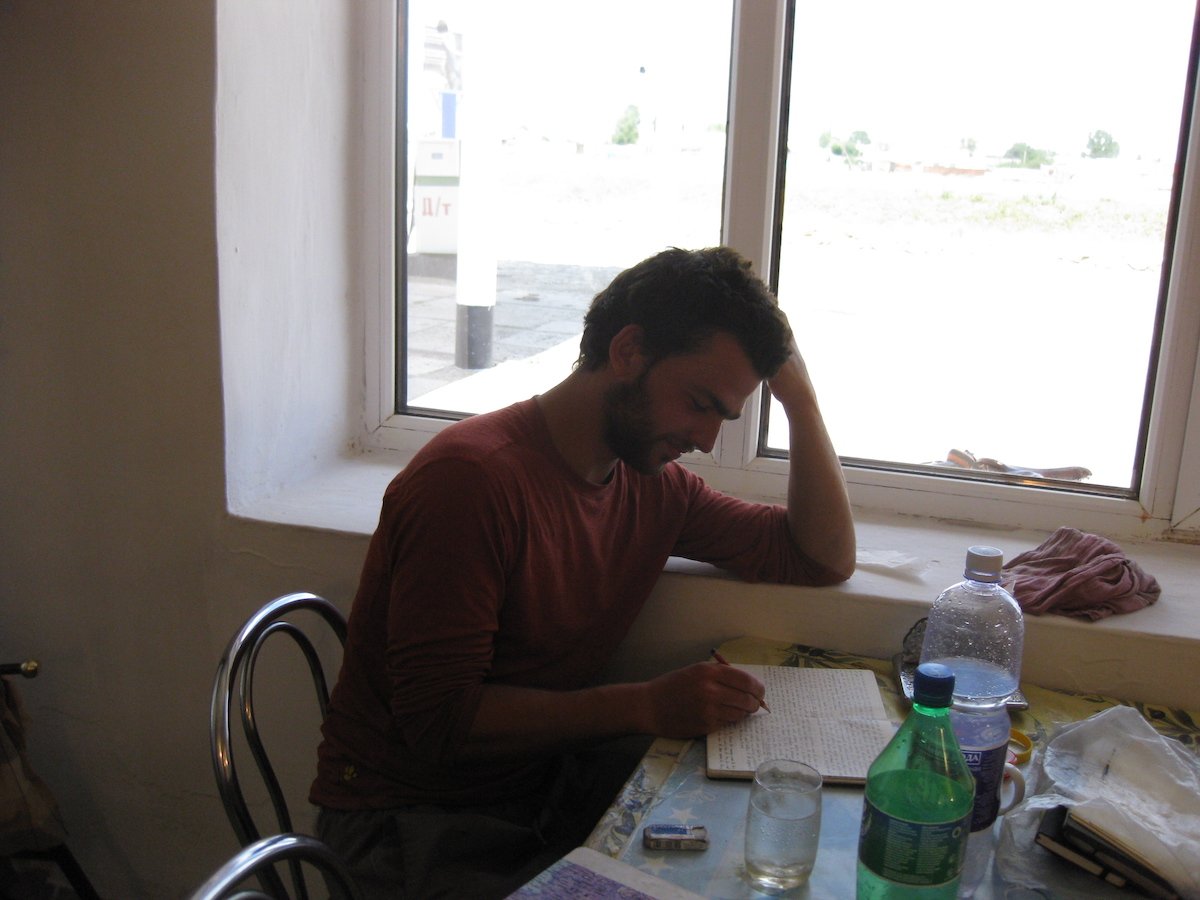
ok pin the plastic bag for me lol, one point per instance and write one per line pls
(1131, 779)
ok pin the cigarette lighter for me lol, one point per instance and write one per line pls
(675, 837)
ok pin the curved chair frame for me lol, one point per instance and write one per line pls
(260, 857)
(235, 672)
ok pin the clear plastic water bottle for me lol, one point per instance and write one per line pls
(982, 736)
(981, 846)
(917, 803)
(976, 628)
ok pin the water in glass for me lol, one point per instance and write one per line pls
(783, 824)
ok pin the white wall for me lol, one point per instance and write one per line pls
(287, 225)
(119, 569)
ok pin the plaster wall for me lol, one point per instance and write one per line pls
(121, 570)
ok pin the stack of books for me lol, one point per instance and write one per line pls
(1066, 832)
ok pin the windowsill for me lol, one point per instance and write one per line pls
(904, 562)
(344, 496)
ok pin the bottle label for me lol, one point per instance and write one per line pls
(914, 853)
(987, 765)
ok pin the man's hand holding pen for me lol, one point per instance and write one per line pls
(701, 698)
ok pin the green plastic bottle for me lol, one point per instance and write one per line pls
(918, 802)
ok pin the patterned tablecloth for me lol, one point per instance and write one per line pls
(670, 783)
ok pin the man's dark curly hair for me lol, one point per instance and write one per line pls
(680, 298)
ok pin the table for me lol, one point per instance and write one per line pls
(670, 785)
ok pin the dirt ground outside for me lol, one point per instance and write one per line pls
(1008, 313)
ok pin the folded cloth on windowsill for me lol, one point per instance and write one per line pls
(1073, 573)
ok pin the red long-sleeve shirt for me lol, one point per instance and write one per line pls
(493, 562)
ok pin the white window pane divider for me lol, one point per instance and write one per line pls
(1175, 463)
(751, 173)
(379, 212)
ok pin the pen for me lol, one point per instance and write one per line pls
(724, 662)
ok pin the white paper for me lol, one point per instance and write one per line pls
(832, 719)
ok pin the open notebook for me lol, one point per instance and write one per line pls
(832, 719)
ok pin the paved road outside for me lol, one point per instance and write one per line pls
(539, 308)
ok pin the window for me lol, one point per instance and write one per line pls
(550, 145)
(974, 223)
(935, 198)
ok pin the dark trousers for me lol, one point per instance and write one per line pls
(423, 851)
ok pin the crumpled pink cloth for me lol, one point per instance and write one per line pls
(1073, 573)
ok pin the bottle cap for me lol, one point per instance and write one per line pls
(984, 564)
(933, 685)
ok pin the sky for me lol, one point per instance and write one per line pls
(1045, 73)
(913, 73)
(569, 69)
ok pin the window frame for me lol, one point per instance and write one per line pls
(1168, 498)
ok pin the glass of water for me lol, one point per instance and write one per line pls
(783, 823)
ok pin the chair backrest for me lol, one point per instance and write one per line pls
(261, 856)
(235, 674)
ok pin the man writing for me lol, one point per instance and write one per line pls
(513, 554)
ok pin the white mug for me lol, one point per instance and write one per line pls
(1011, 774)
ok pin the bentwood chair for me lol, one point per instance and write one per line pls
(235, 675)
(261, 856)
